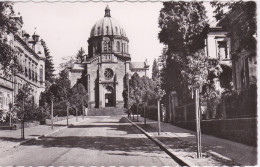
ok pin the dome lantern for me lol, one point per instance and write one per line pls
(107, 12)
(35, 36)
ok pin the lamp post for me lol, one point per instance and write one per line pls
(137, 112)
(195, 89)
(10, 114)
(76, 113)
(161, 93)
(145, 113)
(22, 121)
(52, 98)
(82, 108)
(67, 104)
(198, 117)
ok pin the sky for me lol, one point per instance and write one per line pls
(66, 26)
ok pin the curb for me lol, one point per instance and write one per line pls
(42, 136)
(180, 160)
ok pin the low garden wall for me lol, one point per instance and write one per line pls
(242, 130)
(56, 119)
(26, 124)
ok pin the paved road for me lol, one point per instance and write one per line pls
(97, 141)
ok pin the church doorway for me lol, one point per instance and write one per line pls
(109, 102)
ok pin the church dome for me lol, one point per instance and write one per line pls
(107, 26)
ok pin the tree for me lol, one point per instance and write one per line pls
(49, 66)
(141, 89)
(183, 26)
(183, 30)
(66, 62)
(8, 58)
(155, 71)
(78, 97)
(25, 102)
(60, 89)
(80, 55)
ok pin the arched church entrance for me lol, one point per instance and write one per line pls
(109, 97)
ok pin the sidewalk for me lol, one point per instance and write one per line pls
(12, 138)
(182, 141)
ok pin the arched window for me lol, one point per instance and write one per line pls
(116, 31)
(98, 30)
(1, 99)
(41, 74)
(118, 46)
(105, 46)
(107, 30)
(109, 47)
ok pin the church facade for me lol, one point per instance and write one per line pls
(107, 64)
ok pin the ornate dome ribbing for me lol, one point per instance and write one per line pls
(107, 26)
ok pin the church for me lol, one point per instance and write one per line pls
(107, 64)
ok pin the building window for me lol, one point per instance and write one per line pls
(105, 46)
(98, 30)
(1, 100)
(108, 73)
(116, 31)
(109, 47)
(118, 46)
(30, 74)
(25, 72)
(222, 50)
(107, 30)
(33, 76)
(41, 74)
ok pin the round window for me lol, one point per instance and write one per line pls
(108, 73)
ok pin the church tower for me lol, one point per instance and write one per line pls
(107, 65)
(108, 47)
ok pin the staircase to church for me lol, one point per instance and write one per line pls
(108, 111)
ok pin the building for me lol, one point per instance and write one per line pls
(218, 45)
(217, 48)
(31, 63)
(107, 64)
(244, 59)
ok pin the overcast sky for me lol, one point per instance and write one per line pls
(66, 26)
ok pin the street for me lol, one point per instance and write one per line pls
(96, 141)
